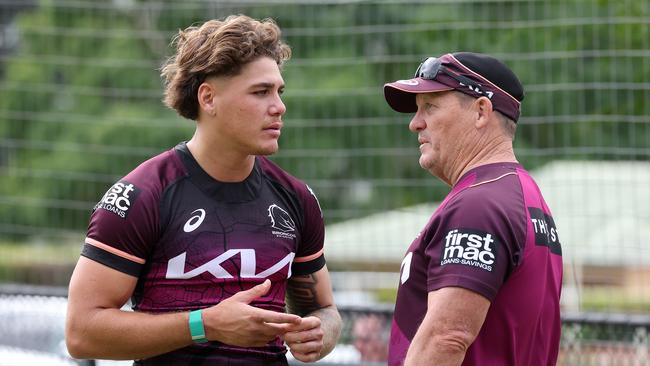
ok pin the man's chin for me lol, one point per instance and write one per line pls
(270, 150)
(425, 163)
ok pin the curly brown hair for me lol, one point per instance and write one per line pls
(217, 48)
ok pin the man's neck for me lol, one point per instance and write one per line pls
(224, 165)
(498, 152)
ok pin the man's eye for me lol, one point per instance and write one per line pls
(261, 92)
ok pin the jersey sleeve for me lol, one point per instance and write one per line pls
(310, 255)
(124, 226)
(476, 245)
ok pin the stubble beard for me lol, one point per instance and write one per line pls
(266, 150)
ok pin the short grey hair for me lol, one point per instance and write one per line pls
(509, 126)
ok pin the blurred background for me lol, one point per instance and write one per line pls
(80, 106)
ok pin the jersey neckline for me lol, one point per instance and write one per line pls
(229, 192)
(485, 172)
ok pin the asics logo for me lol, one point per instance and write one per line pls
(194, 221)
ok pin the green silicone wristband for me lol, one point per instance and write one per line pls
(196, 327)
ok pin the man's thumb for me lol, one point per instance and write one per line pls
(254, 292)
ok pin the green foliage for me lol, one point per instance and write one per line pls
(80, 98)
(38, 264)
(606, 298)
(72, 124)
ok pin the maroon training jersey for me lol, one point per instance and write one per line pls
(493, 234)
(193, 241)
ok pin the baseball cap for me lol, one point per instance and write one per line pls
(470, 73)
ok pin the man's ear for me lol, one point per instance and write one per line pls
(484, 112)
(205, 96)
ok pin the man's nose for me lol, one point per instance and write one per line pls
(417, 123)
(278, 107)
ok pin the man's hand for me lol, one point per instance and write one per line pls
(305, 340)
(311, 296)
(234, 322)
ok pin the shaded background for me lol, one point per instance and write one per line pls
(80, 107)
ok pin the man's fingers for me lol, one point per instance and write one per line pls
(310, 322)
(269, 333)
(280, 328)
(252, 293)
(264, 334)
(268, 316)
(306, 348)
(304, 336)
(307, 352)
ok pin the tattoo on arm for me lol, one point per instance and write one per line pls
(301, 294)
(303, 299)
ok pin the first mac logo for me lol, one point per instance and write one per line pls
(119, 198)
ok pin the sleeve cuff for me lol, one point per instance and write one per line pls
(111, 260)
(309, 267)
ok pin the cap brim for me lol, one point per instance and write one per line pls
(400, 94)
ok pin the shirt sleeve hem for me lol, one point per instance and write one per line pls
(309, 267)
(111, 260)
(464, 282)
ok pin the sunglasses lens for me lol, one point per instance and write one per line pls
(417, 72)
(429, 68)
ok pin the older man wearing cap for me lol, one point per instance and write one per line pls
(480, 285)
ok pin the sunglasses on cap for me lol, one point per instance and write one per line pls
(430, 68)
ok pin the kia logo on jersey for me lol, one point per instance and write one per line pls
(248, 267)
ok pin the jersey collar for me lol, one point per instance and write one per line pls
(244, 191)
